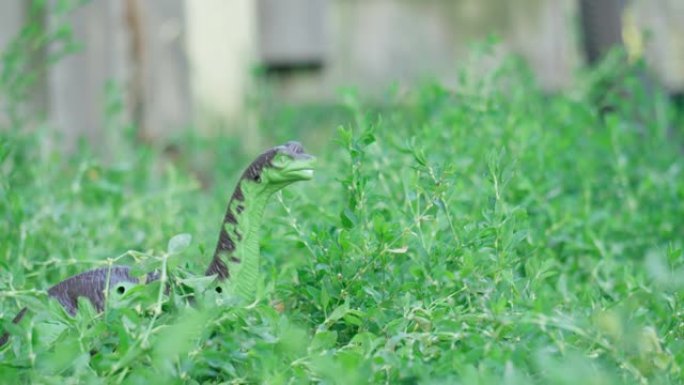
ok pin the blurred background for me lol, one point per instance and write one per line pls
(174, 64)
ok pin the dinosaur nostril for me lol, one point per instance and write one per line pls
(219, 289)
(120, 289)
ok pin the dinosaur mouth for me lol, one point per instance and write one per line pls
(305, 173)
(300, 169)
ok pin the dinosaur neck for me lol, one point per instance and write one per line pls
(237, 251)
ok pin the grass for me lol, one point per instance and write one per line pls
(492, 234)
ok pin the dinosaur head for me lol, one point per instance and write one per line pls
(279, 167)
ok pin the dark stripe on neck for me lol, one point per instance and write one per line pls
(237, 194)
(230, 218)
(226, 244)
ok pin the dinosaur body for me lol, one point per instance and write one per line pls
(237, 246)
(92, 285)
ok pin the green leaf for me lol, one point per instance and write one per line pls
(178, 243)
(178, 338)
(63, 357)
(345, 135)
(145, 266)
(198, 284)
(338, 313)
(348, 218)
(323, 340)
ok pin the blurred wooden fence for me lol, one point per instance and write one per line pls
(137, 45)
(182, 62)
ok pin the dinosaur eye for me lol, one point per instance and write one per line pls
(120, 290)
(257, 178)
(219, 289)
(278, 161)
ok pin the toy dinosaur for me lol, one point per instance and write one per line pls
(238, 243)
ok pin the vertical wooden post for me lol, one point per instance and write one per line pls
(77, 82)
(221, 46)
(24, 100)
(162, 101)
(12, 16)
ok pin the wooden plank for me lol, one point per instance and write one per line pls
(661, 24)
(28, 100)
(221, 46)
(292, 32)
(166, 98)
(374, 44)
(77, 83)
(11, 20)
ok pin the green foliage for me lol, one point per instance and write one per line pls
(25, 58)
(487, 234)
